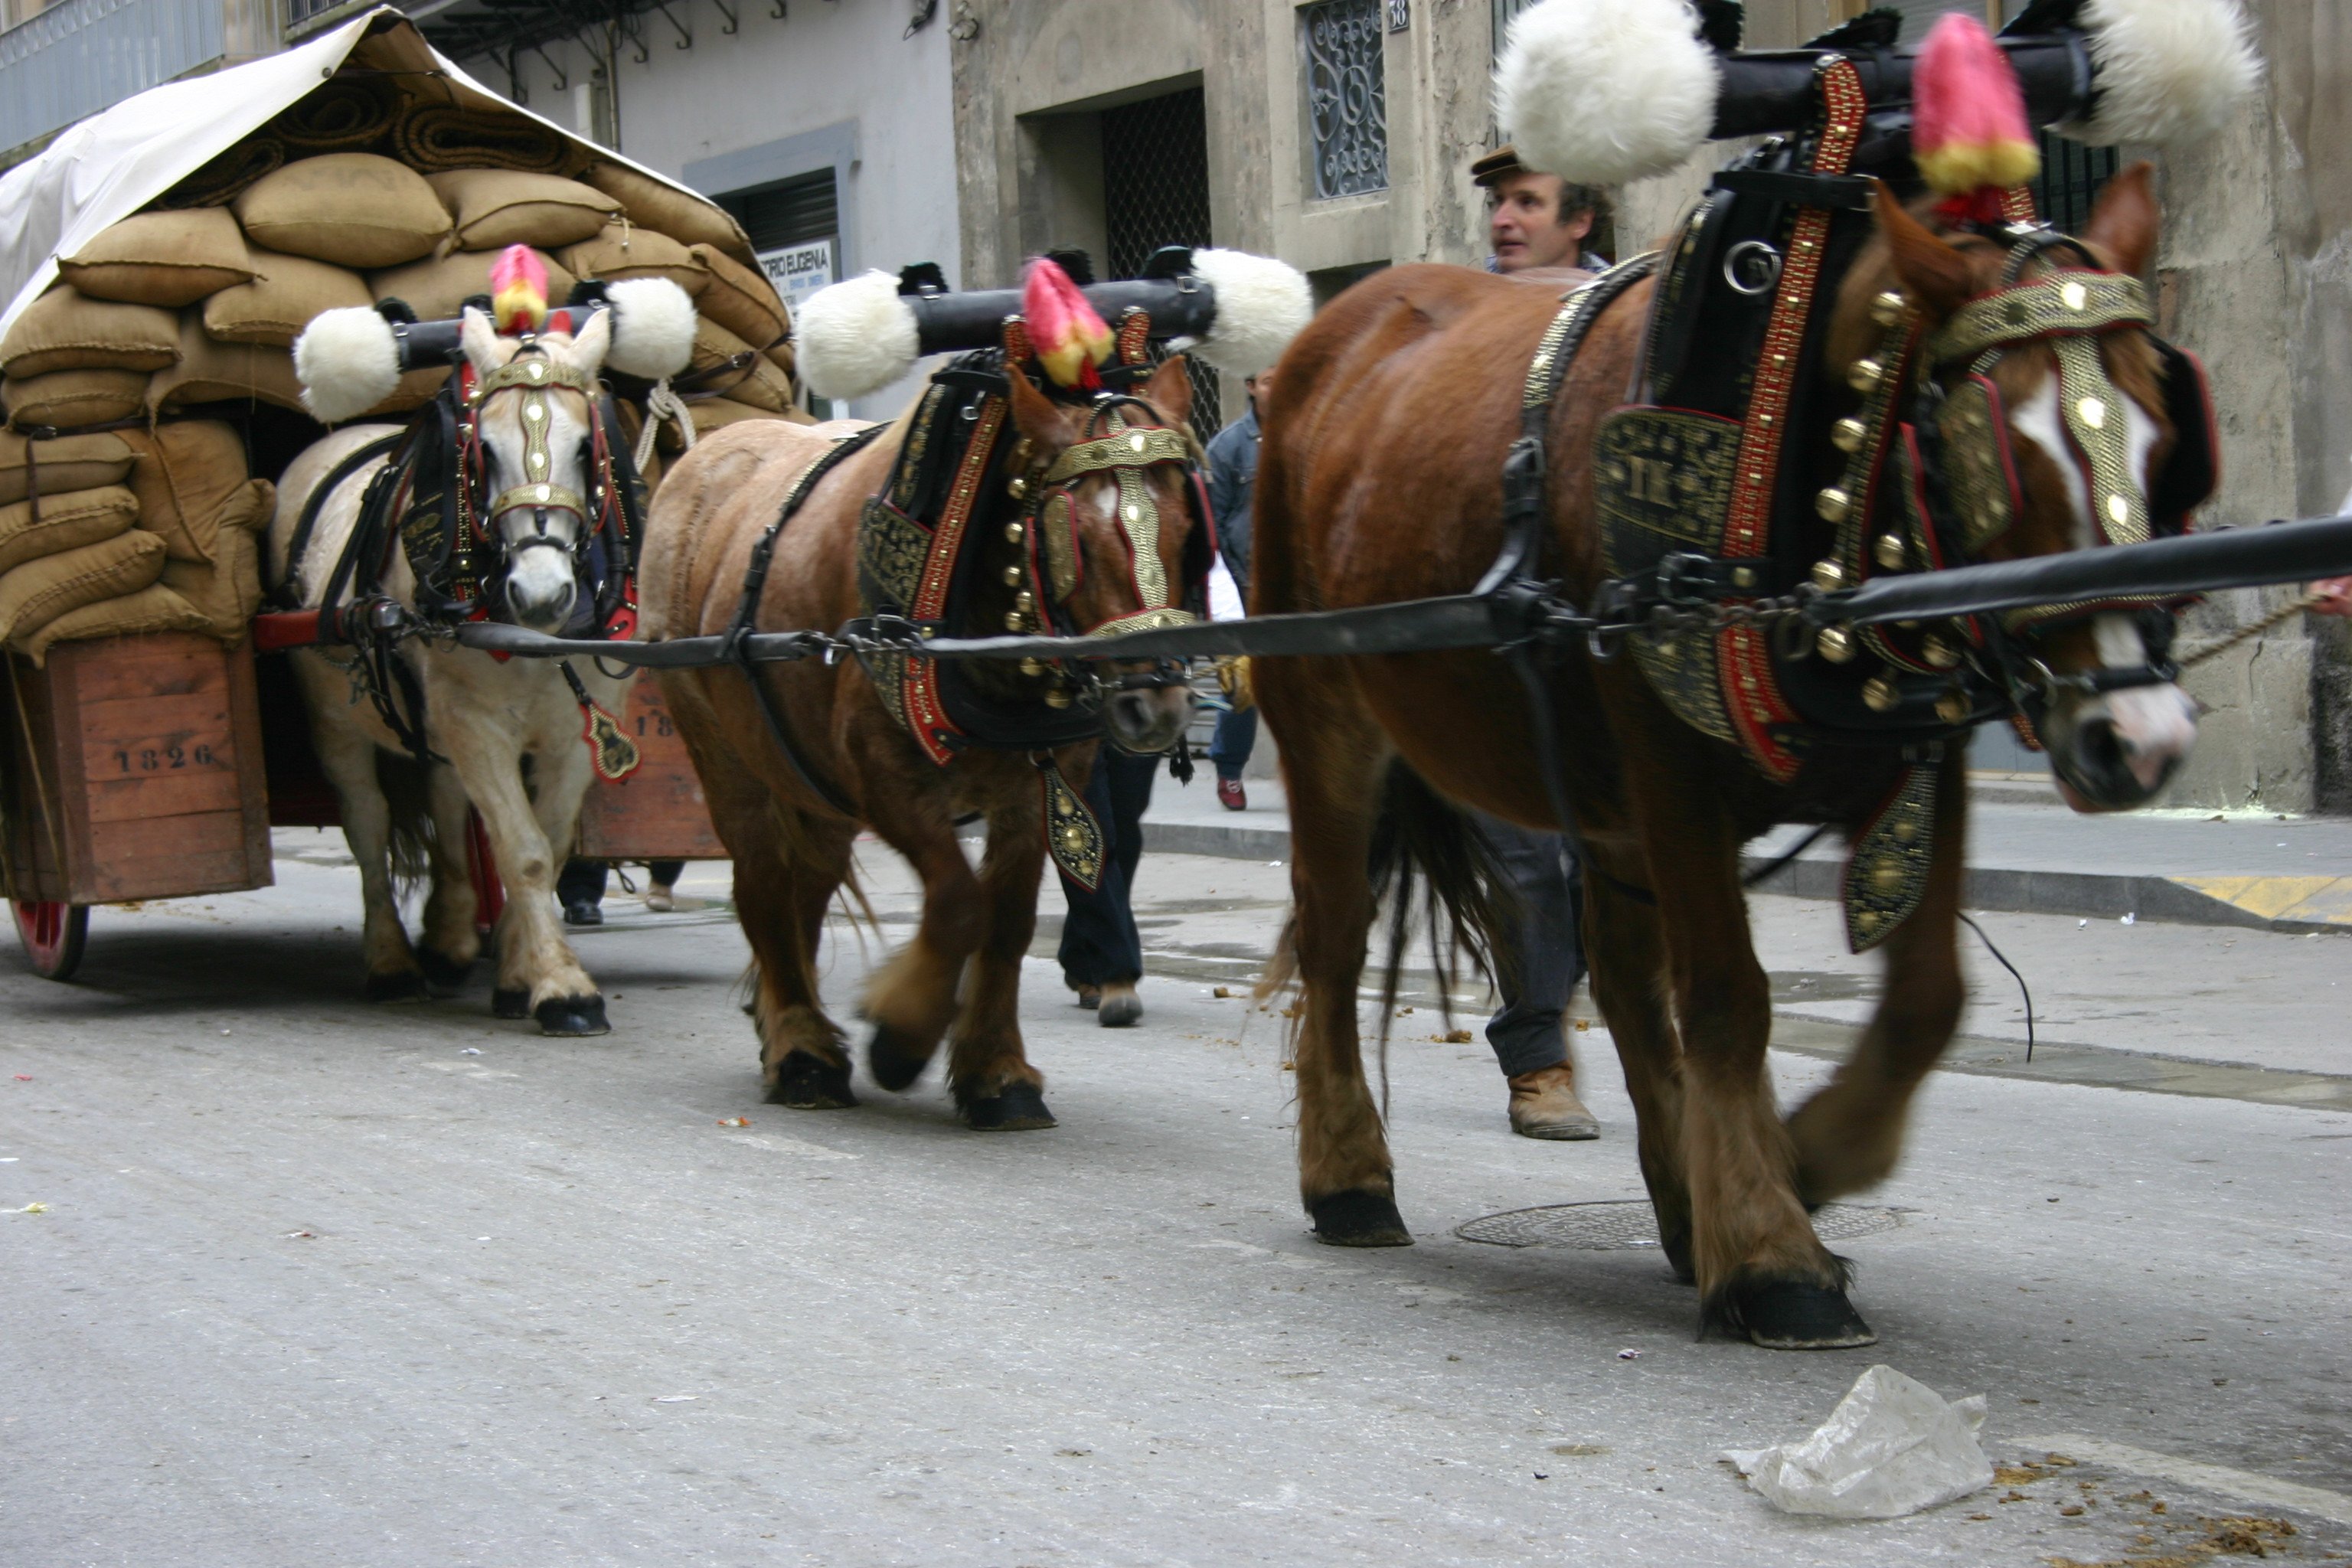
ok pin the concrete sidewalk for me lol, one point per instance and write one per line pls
(2028, 854)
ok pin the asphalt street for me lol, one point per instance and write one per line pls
(292, 1281)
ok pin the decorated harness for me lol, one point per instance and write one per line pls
(1714, 490)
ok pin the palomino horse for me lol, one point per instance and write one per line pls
(791, 845)
(1379, 480)
(505, 737)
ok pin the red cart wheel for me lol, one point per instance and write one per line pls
(53, 935)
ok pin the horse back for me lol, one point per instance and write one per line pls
(337, 514)
(1390, 418)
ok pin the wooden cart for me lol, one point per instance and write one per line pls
(154, 766)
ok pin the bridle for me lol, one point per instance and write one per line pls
(1958, 475)
(1051, 563)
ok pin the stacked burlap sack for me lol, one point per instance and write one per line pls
(126, 503)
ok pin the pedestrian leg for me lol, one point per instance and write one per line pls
(1536, 979)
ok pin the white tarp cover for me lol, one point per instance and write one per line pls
(103, 169)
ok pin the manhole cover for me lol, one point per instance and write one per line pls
(1614, 1227)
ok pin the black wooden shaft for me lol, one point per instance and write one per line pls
(948, 322)
(1773, 92)
(2192, 563)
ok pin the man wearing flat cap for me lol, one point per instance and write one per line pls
(1533, 219)
(1538, 223)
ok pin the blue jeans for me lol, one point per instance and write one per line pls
(1537, 978)
(1236, 737)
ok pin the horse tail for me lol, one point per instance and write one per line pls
(1429, 862)
(407, 792)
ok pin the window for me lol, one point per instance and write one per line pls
(1155, 161)
(1346, 97)
(795, 231)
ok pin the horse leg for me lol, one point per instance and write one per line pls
(1333, 767)
(1761, 1270)
(996, 1090)
(538, 976)
(451, 942)
(912, 998)
(1849, 1135)
(788, 866)
(565, 1000)
(1627, 953)
(348, 756)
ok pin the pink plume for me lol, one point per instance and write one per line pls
(1968, 132)
(1067, 334)
(518, 290)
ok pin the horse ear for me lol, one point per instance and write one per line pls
(2124, 220)
(480, 341)
(592, 342)
(1170, 390)
(1936, 275)
(1037, 417)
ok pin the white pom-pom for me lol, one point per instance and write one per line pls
(347, 361)
(2166, 71)
(1602, 91)
(1261, 305)
(856, 337)
(653, 328)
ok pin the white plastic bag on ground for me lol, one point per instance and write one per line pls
(1892, 1446)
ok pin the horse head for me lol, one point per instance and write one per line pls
(533, 422)
(1110, 489)
(2056, 417)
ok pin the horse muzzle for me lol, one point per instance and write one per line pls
(1149, 720)
(2116, 750)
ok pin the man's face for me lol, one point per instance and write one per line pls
(1524, 225)
(1257, 385)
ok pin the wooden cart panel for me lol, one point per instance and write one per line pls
(657, 813)
(135, 772)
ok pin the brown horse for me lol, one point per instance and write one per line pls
(1379, 481)
(791, 847)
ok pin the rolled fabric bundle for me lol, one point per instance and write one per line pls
(30, 529)
(74, 399)
(62, 463)
(347, 114)
(437, 136)
(154, 608)
(227, 176)
(40, 591)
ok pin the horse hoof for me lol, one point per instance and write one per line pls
(894, 1058)
(444, 976)
(1119, 1012)
(401, 986)
(571, 1016)
(1358, 1219)
(1789, 1315)
(510, 1003)
(1021, 1107)
(806, 1081)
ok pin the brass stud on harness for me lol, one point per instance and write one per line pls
(1939, 652)
(1016, 487)
(1833, 504)
(1013, 575)
(1015, 621)
(2094, 413)
(1828, 576)
(1025, 601)
(1848, 435)
(1834, 644)
(1887, 309)
(1865, 375)
(1057, 698)
(1033, 666)
(1891, 551)
(1952, 708)
(2072, 295)
(1015, 532)
(1878, 694)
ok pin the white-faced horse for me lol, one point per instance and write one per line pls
(537, 493)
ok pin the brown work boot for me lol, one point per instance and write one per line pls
(1544, 1105)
